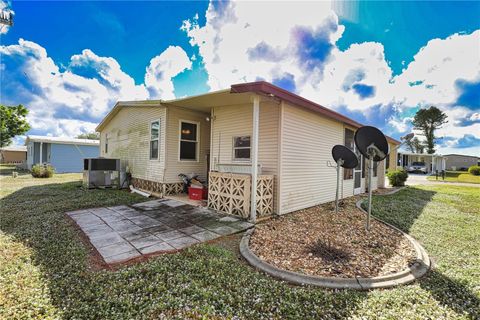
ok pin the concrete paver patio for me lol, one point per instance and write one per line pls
(125, 232)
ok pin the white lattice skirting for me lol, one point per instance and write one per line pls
(162, 189)
(230, 193)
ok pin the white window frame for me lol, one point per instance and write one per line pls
(158, 140)
(234, 148)
(197, 140)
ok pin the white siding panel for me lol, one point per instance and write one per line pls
(173, 165)
(347, 187)
(233, 121)
(230, 121)
(268, 137)
(306, 147)
(129, 139)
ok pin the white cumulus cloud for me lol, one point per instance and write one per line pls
(162, 69)
(67, 101)
(295, 47)
(247, 41)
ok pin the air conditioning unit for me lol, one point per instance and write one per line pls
(101, 173)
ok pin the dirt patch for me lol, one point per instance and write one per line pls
(316, 241)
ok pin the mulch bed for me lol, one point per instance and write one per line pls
(316, 241)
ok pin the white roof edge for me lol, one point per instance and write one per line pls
(139, 103)
(133, 103)
(62, 140)
(420, 154)
(196, 96)
(14, 148)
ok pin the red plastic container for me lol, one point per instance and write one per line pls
(197, 193)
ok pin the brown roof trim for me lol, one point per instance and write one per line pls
(266, 88)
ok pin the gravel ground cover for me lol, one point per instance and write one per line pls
(45, 271)
(317, 241)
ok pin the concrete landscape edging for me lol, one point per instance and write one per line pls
(416, 270)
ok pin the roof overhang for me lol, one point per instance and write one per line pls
(268, 89)
(61, 140)
(120, 104)
(238, 94)
(204, 102)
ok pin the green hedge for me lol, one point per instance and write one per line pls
(42, 171)
(475, 170)
(397, 178)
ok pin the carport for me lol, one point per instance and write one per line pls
(433, 162)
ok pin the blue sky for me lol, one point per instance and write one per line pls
(377, 62)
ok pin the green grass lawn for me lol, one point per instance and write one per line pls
(45, 274)
(458, 176)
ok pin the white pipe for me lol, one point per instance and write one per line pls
(145, 194)
(256, 117)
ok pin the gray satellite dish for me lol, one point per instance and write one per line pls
(344, 157)
(373, 145)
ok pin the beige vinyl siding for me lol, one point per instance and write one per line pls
(392, 157)
(374, 183)
(307, 140)
(229, 122)
(129, 139)
(234, 121)
(173, 164)
(268, 144)
(347, 186)
(381, 174)
(268, 137)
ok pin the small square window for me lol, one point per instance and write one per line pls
(188, 141)
(188, 150)
(241, 148)
(189, 131)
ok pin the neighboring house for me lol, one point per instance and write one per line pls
(433, 162)
(13, 154)
(460, 161)
(64, 154)
(252, 129)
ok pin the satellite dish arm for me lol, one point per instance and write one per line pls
(376, 151)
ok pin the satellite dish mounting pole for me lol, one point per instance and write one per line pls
(344, 158)
(370, 172)
(339, 164)
(373, 145)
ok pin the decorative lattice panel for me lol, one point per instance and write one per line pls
(230, 193)
(172, 188)
(163, 189)
(147, 185)
(264, 195)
